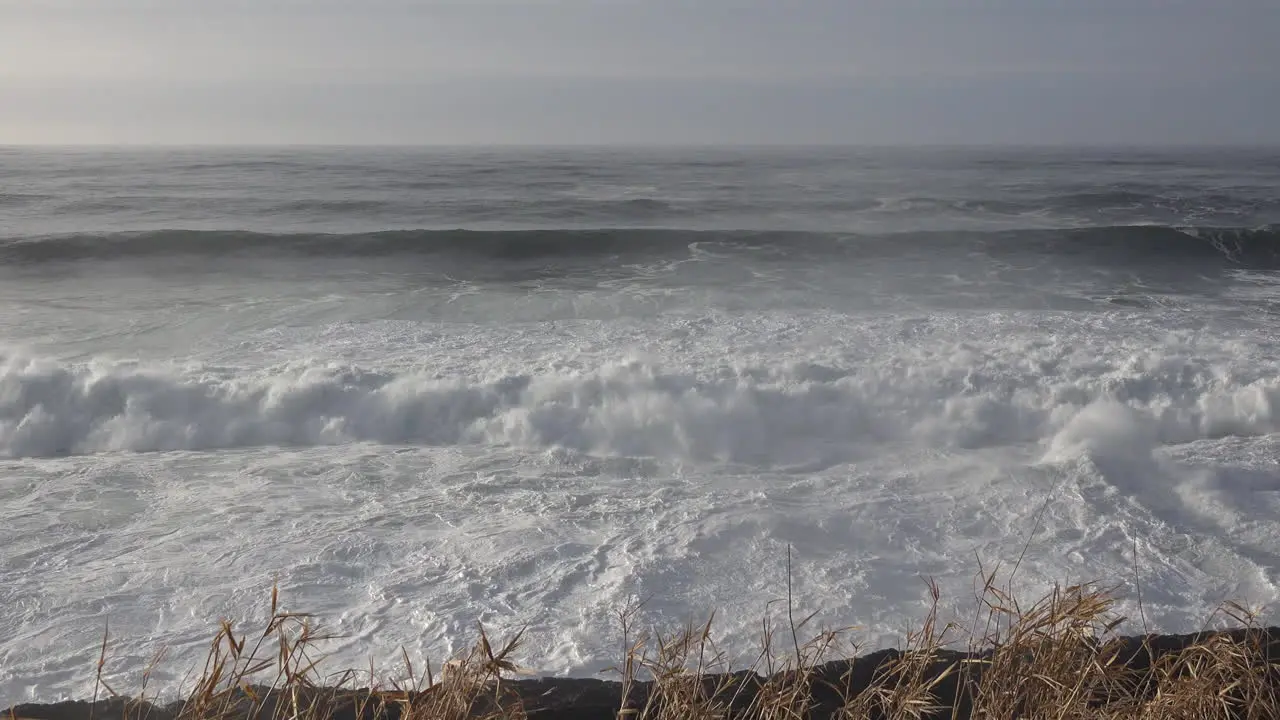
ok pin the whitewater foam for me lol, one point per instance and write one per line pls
(962, 395)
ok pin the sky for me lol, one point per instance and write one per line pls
(669, 72)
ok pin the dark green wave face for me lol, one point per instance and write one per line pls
(1245, 246)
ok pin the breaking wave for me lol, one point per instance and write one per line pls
(1248, 246)
(767, 416)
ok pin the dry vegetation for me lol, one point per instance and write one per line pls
(1057, 658)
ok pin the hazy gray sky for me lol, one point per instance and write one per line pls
(652, 71)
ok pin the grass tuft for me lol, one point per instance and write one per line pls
(1059, 657)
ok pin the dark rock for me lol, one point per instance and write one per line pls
(593, 699)
(111, 709)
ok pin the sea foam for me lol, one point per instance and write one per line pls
(743, 413)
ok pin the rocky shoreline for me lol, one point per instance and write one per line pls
(592, 699)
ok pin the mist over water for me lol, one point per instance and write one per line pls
(425, 388)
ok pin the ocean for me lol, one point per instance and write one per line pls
(422, 389)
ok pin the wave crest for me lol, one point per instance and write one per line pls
(771, 416)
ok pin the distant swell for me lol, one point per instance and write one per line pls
(794, 413)
(1249, 246)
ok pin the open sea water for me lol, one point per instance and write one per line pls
(422, 389)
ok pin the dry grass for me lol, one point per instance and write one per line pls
(1059, 657)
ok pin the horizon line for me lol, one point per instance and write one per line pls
(642, 145)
